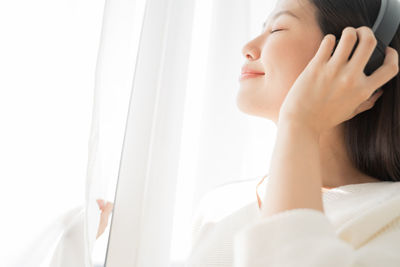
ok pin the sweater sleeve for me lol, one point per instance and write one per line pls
(306, 237)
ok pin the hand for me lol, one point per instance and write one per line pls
(334, 89)
(105, 213)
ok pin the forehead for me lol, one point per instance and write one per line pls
(301, 8)
(297, 5)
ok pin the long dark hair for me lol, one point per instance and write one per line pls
(372, 137)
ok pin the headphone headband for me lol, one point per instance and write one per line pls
(388, 21)
(385, 27)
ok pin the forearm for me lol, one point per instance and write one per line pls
(295, 173)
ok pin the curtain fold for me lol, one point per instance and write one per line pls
(145, 203)
(115, 69)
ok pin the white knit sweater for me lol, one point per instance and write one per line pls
(360, 226)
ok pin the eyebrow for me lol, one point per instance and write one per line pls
(287, 12)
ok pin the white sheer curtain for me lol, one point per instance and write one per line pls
(190, 133)
(219, 144)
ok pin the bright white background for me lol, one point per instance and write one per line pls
(48, 51)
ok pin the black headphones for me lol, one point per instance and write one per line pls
(385, 28)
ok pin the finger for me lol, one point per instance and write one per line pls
(370, 102)
(365, 48)
(325, 49)
(386, 72)
(367, 104)
(346, 44)
(100, 202)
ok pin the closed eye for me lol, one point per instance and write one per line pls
(275, 31)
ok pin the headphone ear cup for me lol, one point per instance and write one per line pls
(377, 58)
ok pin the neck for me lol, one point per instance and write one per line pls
(337, 168)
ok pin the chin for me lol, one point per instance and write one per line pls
(249, 107)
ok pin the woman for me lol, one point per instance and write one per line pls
(332, 196)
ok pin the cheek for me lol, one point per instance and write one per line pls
(285, 58)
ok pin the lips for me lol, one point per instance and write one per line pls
(248, 70)
(246, 76)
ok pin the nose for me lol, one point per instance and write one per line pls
(251, 51)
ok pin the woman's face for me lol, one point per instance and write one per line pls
(281, 55)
